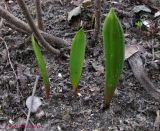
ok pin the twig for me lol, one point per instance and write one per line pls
(69, 34)
(1, 22)
(153, 52)
(39, 18)
(1, 19)
(6, 5)
(15, 28)
(97, 20)
(56, 41)
(14, 20)
(33, 92)
(10, 18)
(26, 116)
(39, 14)
(10, 62)
(34, 28)
(22, 113)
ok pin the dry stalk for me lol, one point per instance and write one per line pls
(39, 14)
(97, 20)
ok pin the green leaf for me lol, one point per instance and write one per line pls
(113, 38)
(42, 65)
(77, 58)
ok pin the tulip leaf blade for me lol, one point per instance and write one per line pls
(113, 39)
(77, 55)
(42, 65)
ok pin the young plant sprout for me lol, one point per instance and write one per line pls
(139, 24)
(113, 38)
(77, 58)
(42, 65)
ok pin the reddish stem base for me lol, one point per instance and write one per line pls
(75, 92)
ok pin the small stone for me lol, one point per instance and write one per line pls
(59, 128)
(130, 84)
(10, 1)
(59, 75)
(87, 98)
(11, 121)
(79, 94)
(40, 114)
(12, 83)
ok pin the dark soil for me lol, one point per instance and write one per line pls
(131, 109)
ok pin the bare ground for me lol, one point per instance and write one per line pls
(132, 108)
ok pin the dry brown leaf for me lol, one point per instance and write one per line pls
(130, 50)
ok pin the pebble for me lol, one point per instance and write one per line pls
(40, 114)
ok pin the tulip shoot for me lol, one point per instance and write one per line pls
(113, 39)
(77, 55)
(42, 65)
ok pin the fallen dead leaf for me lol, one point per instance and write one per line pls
(75, 12)
(36, 103)
(130, 50)
(143, 8)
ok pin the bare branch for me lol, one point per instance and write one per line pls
(34, 28)
(39, 14)
(97, 20)
(32, 97)
(12, 19)
(55, 41)
(14, 27)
